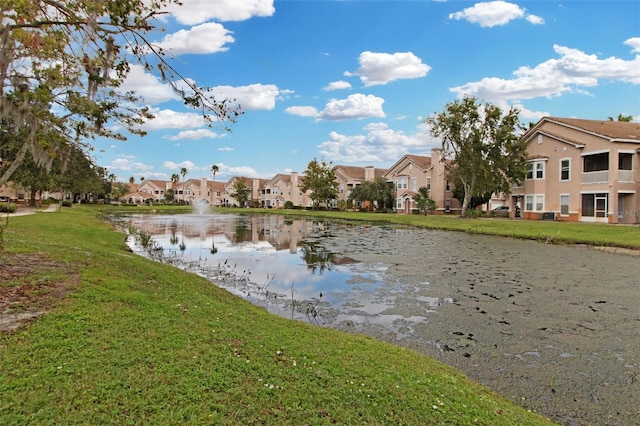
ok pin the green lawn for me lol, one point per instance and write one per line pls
(137, 342)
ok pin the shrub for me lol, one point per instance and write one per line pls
(8, 208)
(67, 203)
(473, 213)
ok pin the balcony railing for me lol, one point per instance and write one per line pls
(595, 177)
(625, 175)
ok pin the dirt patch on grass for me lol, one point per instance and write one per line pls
(30, 285)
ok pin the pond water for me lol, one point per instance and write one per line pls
(286, 266)
(554, 328)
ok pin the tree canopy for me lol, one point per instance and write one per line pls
(378, 191)
(626, 118)
(485, 153)
(424, 201)
(62, 65)
(320, 180)
(241, 192)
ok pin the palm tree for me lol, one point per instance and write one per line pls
(112, 178)
(183, 172)
(214, 170)
(175, 178)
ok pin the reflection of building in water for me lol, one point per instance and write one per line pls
(197, 229)
(278, 231)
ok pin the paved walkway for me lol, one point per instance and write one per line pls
(23, 211)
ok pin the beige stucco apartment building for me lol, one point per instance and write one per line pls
(581, 170)
(190, 191)
(255, 190)
(412, 172)
(349, 177)
(282, 188)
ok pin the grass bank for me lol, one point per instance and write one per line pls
(624, 236)
(137, 342)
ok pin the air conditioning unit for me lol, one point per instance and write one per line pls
(549, 216)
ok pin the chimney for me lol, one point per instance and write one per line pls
(369, 173)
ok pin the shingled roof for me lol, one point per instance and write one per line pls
(615, 130)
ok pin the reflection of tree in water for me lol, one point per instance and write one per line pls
(317, 258)
(173, 239)
(240, 233)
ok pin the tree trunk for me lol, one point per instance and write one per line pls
(32, 198)
(467, 198)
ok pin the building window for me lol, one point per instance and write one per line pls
(535, 170)
(625, 161)
(402, 183)
(398, 203)
(565, 170)
(414, 184)
(448, 186)
(429, 183)
(447, 204)
(564, 205)
(534, 203)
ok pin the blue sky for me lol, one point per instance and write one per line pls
(351, 81)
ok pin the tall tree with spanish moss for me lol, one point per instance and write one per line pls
(62, 65)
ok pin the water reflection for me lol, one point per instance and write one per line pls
(286, 265)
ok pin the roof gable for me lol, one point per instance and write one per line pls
(421, 161)
(613, 131)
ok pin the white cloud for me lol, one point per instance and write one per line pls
(170, 165)
(230, 171)
(226, 149)
(337, 85)
(149, 87)
(126, 163)
(535, 20)
(493, 13)
(355, 106)
(302, 111)
(210, 37)
(196, 134)
(193, 12)
(572, 72)
(169, 119)
(378, 144)
(251, 97)
(382, 68)
(525, 115)
(634, 42)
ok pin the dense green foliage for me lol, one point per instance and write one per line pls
(145, 343)
(378, 192)
(319, 179)
(241, 192)
(424, 201)
(484, 152)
